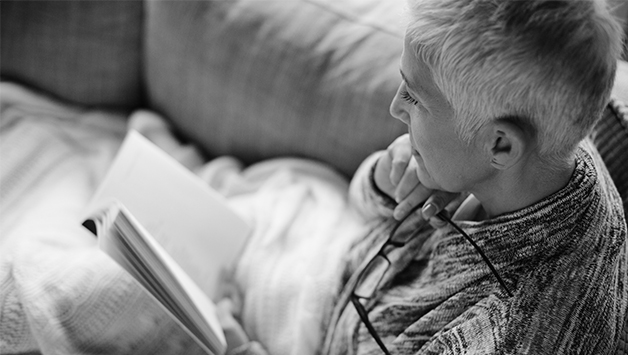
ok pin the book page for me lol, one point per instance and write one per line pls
(189, 220)
(133, 248)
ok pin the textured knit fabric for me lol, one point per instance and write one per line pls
(564, 258)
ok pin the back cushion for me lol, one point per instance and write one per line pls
(82, 51)
(610, 137)
(261, 79)
(620, 89)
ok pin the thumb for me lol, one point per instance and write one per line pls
(436, 203)
(234, 334)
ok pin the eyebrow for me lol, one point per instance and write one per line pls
(403, 76)
(408, 83)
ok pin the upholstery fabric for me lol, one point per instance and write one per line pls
(86, 52)
(259, 79)
(610, 137)
(620, 89)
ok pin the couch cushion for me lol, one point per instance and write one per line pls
(610, 137)
(86, 52)
(259, 79)
(620, 89)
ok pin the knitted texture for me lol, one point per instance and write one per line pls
(563, 257)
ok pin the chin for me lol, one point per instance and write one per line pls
(432, 186)
(426, 180)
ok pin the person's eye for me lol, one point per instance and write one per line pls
(406, 96)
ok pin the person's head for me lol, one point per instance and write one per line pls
(544, 69)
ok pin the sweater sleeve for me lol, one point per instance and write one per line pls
(364, 194)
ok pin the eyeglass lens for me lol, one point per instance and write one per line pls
(371, 277)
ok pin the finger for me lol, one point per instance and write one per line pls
(455, 204)
(438, 222)
(436, 203)
(399, 166)
(414, 198)
(468, 209)
(228, 292)
(407, 183)
(224, 310)
(453, 208)
(382, 175)
(400, 152)
(234, 333)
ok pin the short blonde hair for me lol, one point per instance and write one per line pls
(550, 64)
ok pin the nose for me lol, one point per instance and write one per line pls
(397, 109)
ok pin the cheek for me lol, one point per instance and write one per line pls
(427, 155)
(425, 139)
(441, 158)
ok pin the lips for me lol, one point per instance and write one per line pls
(415, 153)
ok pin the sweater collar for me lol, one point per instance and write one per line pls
(538, 230)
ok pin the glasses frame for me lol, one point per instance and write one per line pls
(382, 253)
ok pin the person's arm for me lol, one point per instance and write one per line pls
(370, 201)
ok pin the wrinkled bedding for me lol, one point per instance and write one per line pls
(59, 294)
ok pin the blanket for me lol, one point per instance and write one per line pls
(59, 294)
(289, 274)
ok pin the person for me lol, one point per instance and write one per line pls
(499, 98)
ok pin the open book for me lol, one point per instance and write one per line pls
(170, 231)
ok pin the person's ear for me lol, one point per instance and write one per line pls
(506, 144)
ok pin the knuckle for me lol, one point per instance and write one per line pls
(397, 161)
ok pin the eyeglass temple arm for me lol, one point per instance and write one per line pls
(477, 248)
(364, 317)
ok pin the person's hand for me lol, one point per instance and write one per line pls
(396, 175)
(234, 333)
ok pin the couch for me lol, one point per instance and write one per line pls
(253, 79)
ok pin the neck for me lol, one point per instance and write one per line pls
(522, 185)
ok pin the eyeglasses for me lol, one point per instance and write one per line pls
(372, 275)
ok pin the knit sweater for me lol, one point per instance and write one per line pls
(563, 258)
